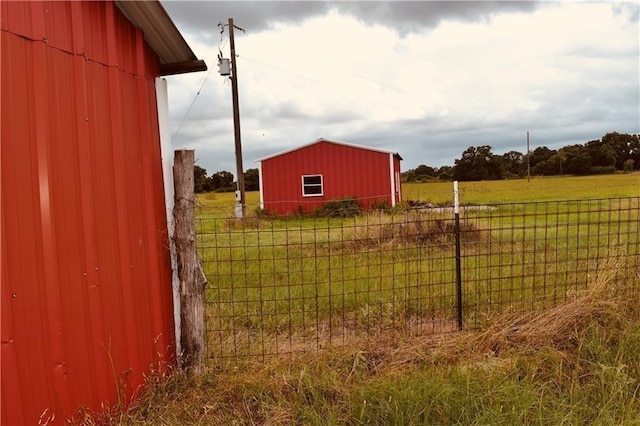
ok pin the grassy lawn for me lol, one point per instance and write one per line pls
(501, 191)
(334, 321)
(519, 190)
(285, 284)
(576, 364)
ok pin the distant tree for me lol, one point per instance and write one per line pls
(634, 152)
(423, 170)
(628, 165)
(409, 175)
(620, 143)
(201, 182)
(578, 160)
(625, 146)
(549, 167)
(251, 181)
(601, 153)
(514, 163)
(421, 173)
(445, 173)
(222, 181)
(540, 154)
(478, 163)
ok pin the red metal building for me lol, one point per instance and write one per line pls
(86, 301)
(304, 178)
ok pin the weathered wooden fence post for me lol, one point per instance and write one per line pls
(190, 274)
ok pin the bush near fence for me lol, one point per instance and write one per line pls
(290, 284)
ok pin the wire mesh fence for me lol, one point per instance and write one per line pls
(279, 285)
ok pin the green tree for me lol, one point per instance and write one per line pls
(625, 146)
(602, 154)
(201, 182)
(421, 173)
(222, 181)
(514, 163)
(251, 180)
(478, 163)
(409, 175)
(550, 167)
(426, 171)
(445, 173)
(634, 152)
(578, 160)
(540, 154)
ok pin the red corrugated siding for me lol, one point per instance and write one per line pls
(347, 172)
(86, 279)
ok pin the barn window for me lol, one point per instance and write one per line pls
(312, 186)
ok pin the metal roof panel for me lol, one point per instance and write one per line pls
(162, 35)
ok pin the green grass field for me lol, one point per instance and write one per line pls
(501, 191)
(315, 321)
(576, 364)
(287, 284)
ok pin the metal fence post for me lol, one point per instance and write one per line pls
(456, 211)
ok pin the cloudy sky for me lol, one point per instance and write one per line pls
(424, 78)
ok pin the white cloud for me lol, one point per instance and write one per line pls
(568, 72)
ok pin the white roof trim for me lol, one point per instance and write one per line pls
(352, 145)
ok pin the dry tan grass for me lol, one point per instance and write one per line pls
(415, 227)
(267, 391)
(602, 304)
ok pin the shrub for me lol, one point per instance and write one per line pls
(603, 170)
(346, 207)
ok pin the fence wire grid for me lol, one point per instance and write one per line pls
(280, 285)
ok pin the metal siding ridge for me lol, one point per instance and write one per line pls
(107, 272)
(66, 212)
(87, 225)
(127, 351)
(14, 316)
(142, 238)
(52, 314)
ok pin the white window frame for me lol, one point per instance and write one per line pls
(304, 186)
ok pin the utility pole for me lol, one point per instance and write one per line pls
(240, 196)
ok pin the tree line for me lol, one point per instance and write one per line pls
(223, 181)
(614, 152)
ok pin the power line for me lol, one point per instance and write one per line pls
(190, 106)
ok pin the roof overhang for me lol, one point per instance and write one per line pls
(162, 35)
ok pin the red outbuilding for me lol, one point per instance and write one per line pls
(303, 178)
(86, 299)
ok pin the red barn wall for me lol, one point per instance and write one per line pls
(86, 279)
(347, 171)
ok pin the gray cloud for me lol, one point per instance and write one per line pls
(587, 87)
(403, 16)
(416, 16)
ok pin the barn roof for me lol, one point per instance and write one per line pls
(368, 148)
(175, 55)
